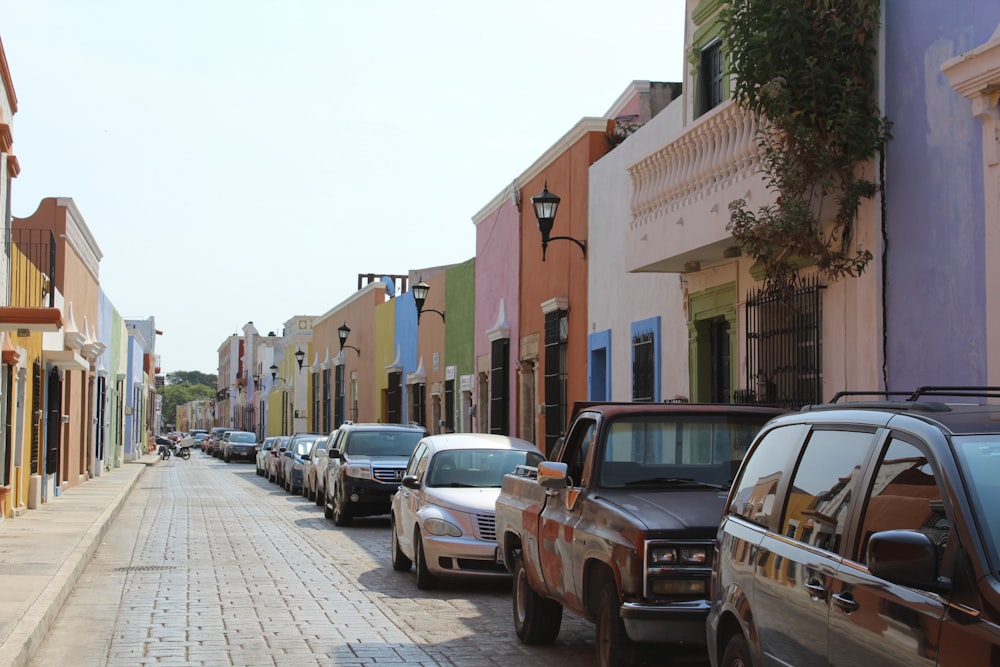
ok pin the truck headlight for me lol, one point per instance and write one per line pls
(441, 528)
(671, 555)
(358, 471)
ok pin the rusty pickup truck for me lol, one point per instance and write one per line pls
(619, 526)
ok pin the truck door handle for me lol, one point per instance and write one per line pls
(846, 602)
(817, 590)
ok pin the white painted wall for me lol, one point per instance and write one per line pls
(617, 298)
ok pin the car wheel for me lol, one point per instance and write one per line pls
(737, 654)
(320, 496)
(400, 561)
(425, 580)
(327, 511)
(226, 458)
(341, 515)
(536, 619)
(614, 648)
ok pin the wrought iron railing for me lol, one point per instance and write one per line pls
(33, 268)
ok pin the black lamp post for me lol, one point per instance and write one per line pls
(546, 205)
(420, 291)
(256, 381)
(343, 331)
(299, 356)
(274, 372)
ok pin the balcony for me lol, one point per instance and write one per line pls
(32, 280)
(681, 193)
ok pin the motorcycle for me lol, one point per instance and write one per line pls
(165, 447)
(183, 452)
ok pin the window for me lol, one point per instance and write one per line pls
(555, 377)
(643, 367)
(327, 402)
(449, 406)
(763, 474)
(824, 483)
(338, 406)
(710, 77)
(418, 392)
(905, 495)
(577, 447)
(499, 386)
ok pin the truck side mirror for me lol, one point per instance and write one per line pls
(552, 474)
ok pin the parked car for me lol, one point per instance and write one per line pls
(199, 440)
(443, 515)
(277, 460)
(314, 484)
(240, 445)
(294, 459)
(264, 453)
(215, 439)
(864, 533)
(365, 467)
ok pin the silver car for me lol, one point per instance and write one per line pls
(443, 515)
(314, 484)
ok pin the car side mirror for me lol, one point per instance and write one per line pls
(335, 454)
(288, 453)
(305, 457)
(410, 482)
(906, 557)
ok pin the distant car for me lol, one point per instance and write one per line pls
(443, 514)
(366, 464)
(314, 484)
(199, 440)
(218, 438)
(264, 453)
(277, 459)
(239, 445)
(294, 459)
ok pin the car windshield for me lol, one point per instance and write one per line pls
(979, 457)
(303, 446)
(689, 450)
(383, 443)
(243, 437)
(480, 468)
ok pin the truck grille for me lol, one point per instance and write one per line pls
(487, 524)
(387, 474)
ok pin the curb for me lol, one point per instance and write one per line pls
(46, 608)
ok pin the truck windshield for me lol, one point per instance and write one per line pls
(677, 451)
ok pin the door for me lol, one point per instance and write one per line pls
(875, 622)
(560, 546)
(796, 566)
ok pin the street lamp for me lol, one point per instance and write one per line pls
(299, 356)
(343, 331)
(546, 205)
(274, 372)
(420, 291)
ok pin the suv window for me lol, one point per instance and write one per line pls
(979, 456)
(823, 485)
(757, 488)
(905, 495)
(382, 443)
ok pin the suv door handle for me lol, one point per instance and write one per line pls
(846, 602)
(817, 590)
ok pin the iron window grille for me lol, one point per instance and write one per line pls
(784, 347)
(394, 405)
(556, 334)
(499, 386)
(710, 76)
(643, 368)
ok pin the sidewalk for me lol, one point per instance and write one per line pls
(43, 553)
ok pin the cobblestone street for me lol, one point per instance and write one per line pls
(211, 565)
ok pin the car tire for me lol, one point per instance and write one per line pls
(737, 654)
(614, 648)
(536, 619)
(327, 511)
(320, 498)
(400, 561)
(341, 515)
(425, 580)
(226, 459)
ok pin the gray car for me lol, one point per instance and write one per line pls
(239, 445)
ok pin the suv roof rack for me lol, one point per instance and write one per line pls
(964, 391)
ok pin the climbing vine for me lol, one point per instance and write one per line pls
(806, 70)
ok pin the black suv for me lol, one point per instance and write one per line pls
(865, 533)
(365, 467)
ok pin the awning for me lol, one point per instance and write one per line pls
(33, 319)
(66, 360)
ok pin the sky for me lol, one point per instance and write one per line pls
(245, 160)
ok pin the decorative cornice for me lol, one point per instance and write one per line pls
(8, 83)
(6, 138)
(554, 304)
(32, 319)
(13, 166)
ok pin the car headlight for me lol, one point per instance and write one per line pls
(671, 555)
(358, 471)
(441, 528)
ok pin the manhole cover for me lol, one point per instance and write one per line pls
(144, 568)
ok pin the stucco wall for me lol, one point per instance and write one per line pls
(934, 202)
(617, 298)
